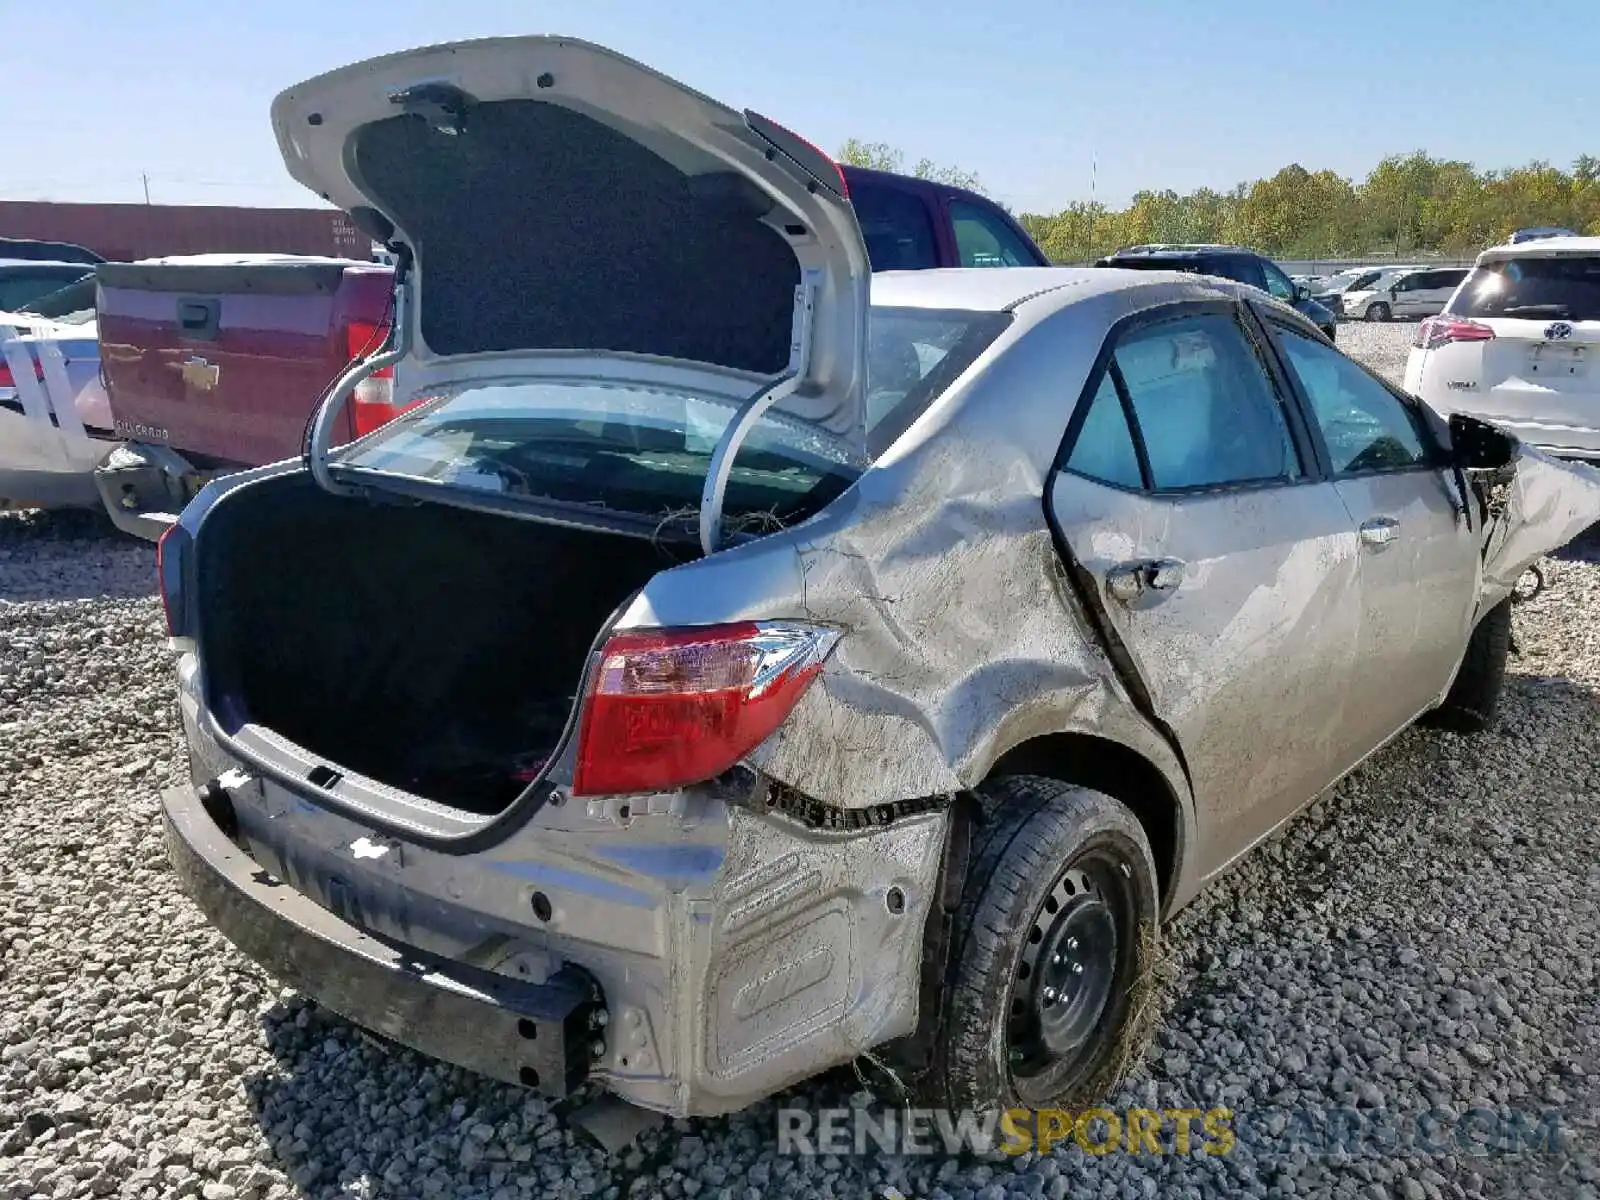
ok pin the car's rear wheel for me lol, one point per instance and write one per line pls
(1057, 919)
(1378, 312)
(1474, 698)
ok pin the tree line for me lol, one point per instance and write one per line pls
(1409, 205)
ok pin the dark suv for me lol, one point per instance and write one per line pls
(1228, 262)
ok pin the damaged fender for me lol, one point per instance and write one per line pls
(1547, 503)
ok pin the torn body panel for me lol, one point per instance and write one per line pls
(1547, 503)
(964, 635)
(730, 948)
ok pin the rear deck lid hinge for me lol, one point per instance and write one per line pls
(713, 492)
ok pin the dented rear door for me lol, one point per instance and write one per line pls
(1223, 574)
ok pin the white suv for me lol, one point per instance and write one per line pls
(1517, 345)
(1404, 292)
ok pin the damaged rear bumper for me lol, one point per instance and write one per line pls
(735, 950)
(537, 1035)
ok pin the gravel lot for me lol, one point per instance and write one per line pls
(1425, 937)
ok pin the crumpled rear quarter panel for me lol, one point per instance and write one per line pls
(1549, 503)
(962, 636)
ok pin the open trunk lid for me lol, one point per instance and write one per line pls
(562, 202)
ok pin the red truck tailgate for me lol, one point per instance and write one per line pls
(224, 356)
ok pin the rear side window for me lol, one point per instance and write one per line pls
(896, 228)
(913, 354)
(1203, 405)
(1104, 448)
(1555, 289)
(1240, 268)
(1279, 284)
(984, 240)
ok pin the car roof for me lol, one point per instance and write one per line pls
(86, 268)
(1542, 248)
(1000, 289)
(908, 183)
(1179, 249)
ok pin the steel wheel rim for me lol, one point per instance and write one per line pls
(1065, 983)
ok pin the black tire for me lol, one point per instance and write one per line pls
(1475, 696)
(1053, 866)
(1378, 312)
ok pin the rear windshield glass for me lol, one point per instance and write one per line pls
(1557, 289)
(645, 449)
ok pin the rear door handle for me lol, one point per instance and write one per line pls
(1128, 581)
(1379, 531)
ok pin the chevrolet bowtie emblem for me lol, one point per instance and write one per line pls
(199, 374)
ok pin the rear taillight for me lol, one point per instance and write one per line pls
(8, 380)
(1440, 331)
(667, 708)
(372, 403)
(171, 552)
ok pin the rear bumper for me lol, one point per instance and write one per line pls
(536, 1035)
(736, 952)
(144, 488)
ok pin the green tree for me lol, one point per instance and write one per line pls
(1409, 204)
(880, 156)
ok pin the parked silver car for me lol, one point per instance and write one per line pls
(739, 664)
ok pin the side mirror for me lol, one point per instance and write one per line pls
(1479, 446)
(1302, 292)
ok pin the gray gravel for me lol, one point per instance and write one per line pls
(1423, 937)
(1384, 348)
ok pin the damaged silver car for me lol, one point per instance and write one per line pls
(739, 664)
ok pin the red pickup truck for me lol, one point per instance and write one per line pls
(214, 363)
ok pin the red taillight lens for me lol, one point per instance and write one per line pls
(169, 578)
(366, 337)
(8, 380)
(372, 404)
(1440, 331)
(667, 708)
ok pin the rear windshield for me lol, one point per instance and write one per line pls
(644, 449)
(1557, 289)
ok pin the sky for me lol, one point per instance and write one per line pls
(1046, 100)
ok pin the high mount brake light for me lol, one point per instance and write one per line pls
(1441, 331)
(670, 707)
(811, 158)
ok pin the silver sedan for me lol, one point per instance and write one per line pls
(693, 697)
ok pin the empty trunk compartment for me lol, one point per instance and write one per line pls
(430, 648)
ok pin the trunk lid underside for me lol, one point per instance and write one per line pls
(560, 198)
